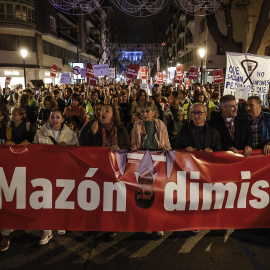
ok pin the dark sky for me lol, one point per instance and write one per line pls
(142, 29)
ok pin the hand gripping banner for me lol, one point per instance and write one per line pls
(88, 188)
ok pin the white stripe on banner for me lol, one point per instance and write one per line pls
(140, 156)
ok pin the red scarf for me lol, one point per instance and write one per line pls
(109, 135)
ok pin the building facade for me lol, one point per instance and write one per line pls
(49, 36)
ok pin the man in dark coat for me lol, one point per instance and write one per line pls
(233, 127)
(197, 135)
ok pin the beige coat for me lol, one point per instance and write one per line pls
(66, 135)
(162, 134)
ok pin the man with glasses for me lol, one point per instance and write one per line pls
(198, 135)
(233, 127)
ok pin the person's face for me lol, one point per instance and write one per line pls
(253, 109)
(107, 91)
(94, 97)
(74, 103)
(47, 104)
(230, 109)
(133, 95)
(115, 101)
(135, 117)
(56, 120)
(16, 117)
(203, 89)
(148, 114)
(98, 109)
(144, 191)
(124, 98)
(201, 98)
(176, 104)
(106, 115)
(67, 93)
(180, 117)
(82, 96)
(142, 96)
(56, 97)
(198, 115)
(181, 96)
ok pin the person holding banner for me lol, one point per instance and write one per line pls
(55, 133)
(198, 135)
(259, 122)
(233, 127)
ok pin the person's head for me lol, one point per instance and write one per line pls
(201, 98)
(174, 94)
(68, 91)
(198, 113)
(216, 95)
(136, 116)
(3, 118)
(56, 94)
(145, 191)
(107, 99)
(23, 100)
(115, 100)
(254, 106)
(82, 95)
(124, 97)
(182, 94)
(75, 100)
(93, 95)
(148, 111)
(180, 115)
(56, 120)
(133, 94)
(110, 114)
(141, 95)
(98, 110)
(106, 90)
(228, 106)
(203, 89)
(175, 103)
(29, 92)
(49, 103)
(18, 114)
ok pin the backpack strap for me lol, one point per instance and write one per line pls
(53, 140)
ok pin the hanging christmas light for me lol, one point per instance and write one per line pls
(76, 7)
(197, 7)
(140, 8)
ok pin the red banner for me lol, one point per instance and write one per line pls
(218, 76)
(143, 73)
(179, 72)
(187, 84)
(175, 79)
(193, 73)
(54, 70)
(159, 78)
(165, 78)
(91, 79)
(132, 71)
(50, 187)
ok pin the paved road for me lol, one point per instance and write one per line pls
(241, 249)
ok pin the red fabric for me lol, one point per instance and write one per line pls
(193, 73)
(49, 164)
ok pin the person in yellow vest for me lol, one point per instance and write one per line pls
(213, 106)
(185, 102)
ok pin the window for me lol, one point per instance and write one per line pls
(52, 23)
(18, 13)
(2, 10)
(24, 13)
(10, 13)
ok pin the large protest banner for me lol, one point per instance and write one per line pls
(88, 188)
(248, 70)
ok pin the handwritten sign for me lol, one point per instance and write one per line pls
(248, 70)
(65, 78)
(101, 70)
(241, 92)
(54, 70)
(83, 72)
(112, 73)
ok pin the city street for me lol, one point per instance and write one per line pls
(241, 249)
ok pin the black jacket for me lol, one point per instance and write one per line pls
(86, 137)
(186, 137)
(242, 132)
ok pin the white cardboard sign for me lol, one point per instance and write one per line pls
(112, 73)
(241, 92)
(101, 70)
(65, 78)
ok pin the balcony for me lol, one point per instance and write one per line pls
(189, 20)
(181, 31)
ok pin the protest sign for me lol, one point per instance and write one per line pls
(65, 78)
(218, 76)
(101, 70)
(54, 70)
(193, 73)
(248, 70)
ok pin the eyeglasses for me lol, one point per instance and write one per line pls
(199, 113)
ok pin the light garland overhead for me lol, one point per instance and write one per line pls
(136, 8)
(140, 8)
(76, 7)
(196, 7)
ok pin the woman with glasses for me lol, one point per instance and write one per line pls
(198, 135)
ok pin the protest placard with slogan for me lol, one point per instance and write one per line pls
(193, 73)
(248, 70)
(54, 70)
(143, 73)
(101, 70)
(65, 78)
(218, 76)
(179, 72)
(112, 73)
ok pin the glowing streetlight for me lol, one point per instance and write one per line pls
(202, 54)
(24, 54)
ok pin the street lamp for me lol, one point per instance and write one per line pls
(24, 54)
(202, 54)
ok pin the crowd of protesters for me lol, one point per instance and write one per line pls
(121, 116)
